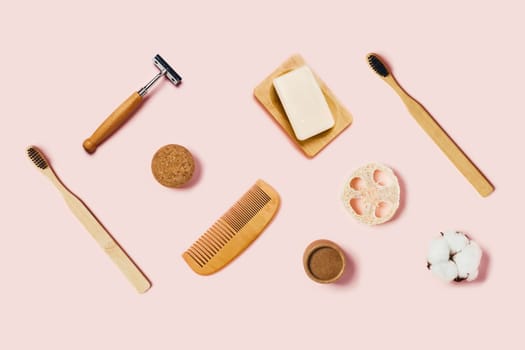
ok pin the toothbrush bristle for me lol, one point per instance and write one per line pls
(37, 158)
(377, 65)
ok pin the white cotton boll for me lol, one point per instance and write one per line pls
(468, 260)
(447, 271)
(454, 257)
(456, 240)
(438, 251)
(473, 275)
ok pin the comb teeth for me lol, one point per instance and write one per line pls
(228, 226)
(37, 158)
(246, 208)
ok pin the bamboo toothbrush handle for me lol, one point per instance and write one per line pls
(113, 122)
(447, 145)
(134, 275)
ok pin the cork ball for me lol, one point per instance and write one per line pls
(172, 166)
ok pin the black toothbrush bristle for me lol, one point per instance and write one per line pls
(37, 158)
(378, 66)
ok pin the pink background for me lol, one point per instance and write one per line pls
(65, 66)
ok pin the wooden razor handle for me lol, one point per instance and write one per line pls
(113, 122)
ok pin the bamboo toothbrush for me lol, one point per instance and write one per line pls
(91, 223)
(432, 128)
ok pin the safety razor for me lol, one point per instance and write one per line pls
(123, 112)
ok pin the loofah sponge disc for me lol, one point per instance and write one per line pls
(371, 194)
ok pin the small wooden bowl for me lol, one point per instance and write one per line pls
(324, 261)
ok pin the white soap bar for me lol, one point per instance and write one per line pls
(303, 102)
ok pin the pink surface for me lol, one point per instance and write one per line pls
(66, 65)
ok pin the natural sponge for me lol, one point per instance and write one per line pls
(454, 257)
(371, 194)
(172, 165)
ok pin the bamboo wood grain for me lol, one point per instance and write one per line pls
(442, 139)
(132, 272)
(114, 121)
(267, 96)
(234, 231)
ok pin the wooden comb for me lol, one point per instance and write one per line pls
(234, 231)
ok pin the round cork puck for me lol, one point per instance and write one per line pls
(324, 261)
(172, 165)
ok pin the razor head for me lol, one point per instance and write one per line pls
(161, 64)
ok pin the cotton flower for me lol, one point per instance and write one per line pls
(454, 257)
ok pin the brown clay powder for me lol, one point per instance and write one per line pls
(325, 263)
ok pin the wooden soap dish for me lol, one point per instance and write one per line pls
(267, 97)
